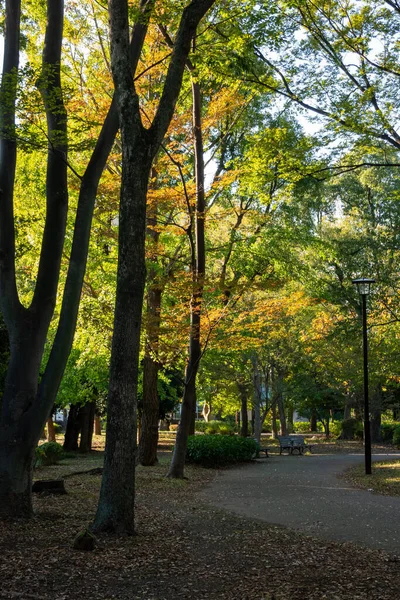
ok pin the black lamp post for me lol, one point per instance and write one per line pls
(364, 286)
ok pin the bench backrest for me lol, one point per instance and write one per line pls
(298, 439)
(284, 440)
(291, 440)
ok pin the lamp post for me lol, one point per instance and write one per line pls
(364, 286)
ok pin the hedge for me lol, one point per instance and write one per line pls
(219, 450)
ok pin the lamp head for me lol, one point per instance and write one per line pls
(363, 285)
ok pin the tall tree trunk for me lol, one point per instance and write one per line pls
(244, 428)
(97, 425)
(257, 424)
(148, 437)
(376, 419)
(282, 416)
(192, 427)
(376, 422)
(72, 430)
(86, 418)
(22, 418)
(257, 391)
(290, 413)
(51, 432)
(176, 469)
(313, 420)
(277, 382)
(326, 426)
(274, 425)
(198, 272)
(43, 303)
(347, 407)
(115, 512)
(237, 418)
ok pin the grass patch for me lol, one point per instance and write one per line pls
(385, 477)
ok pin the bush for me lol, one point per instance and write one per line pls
(352, 429)
(215, 427)
(335, 428)
(49, 453)
(219, 427)
(200, 426)
(387, 431)
(301, 427)
(226, 429)
(57, 428)
(219, 450)
(396, 436)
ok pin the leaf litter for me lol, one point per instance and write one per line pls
(183, 549)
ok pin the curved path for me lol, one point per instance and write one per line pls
(305, 493)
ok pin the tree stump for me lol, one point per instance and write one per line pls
(84, 541)
(50, 486)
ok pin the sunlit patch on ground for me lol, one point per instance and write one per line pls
(385, 477)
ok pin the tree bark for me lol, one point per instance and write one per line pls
(347, 407)
(277, 382)
(290, 413)
(244, 429)
(115, 512)
(86, 419)
(148, 437)
(274, 425)
(376, 426)
(313, 420)
(192, 427)
(198, 273)
(257, 391)
(51, 432)
(97, 425)
(22, 418)
(72, 429)
(36, 319)
(326, 427)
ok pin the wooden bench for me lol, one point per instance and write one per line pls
(261, 449)
(292, 443)
(264, 450)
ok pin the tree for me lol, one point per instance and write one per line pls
(115, 511)
(26, 405)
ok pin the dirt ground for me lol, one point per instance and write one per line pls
(183, 549)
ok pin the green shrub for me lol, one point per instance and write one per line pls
(396, 436)
(219, 428)
(200, 426)
(215, 427)
(335, 428)
(387, 431)
(352, 429)
(301, 427)
(226, 429)
(219, 450)
(49, 453)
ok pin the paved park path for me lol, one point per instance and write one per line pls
(305, 493)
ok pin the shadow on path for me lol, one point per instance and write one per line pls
(305, 493)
